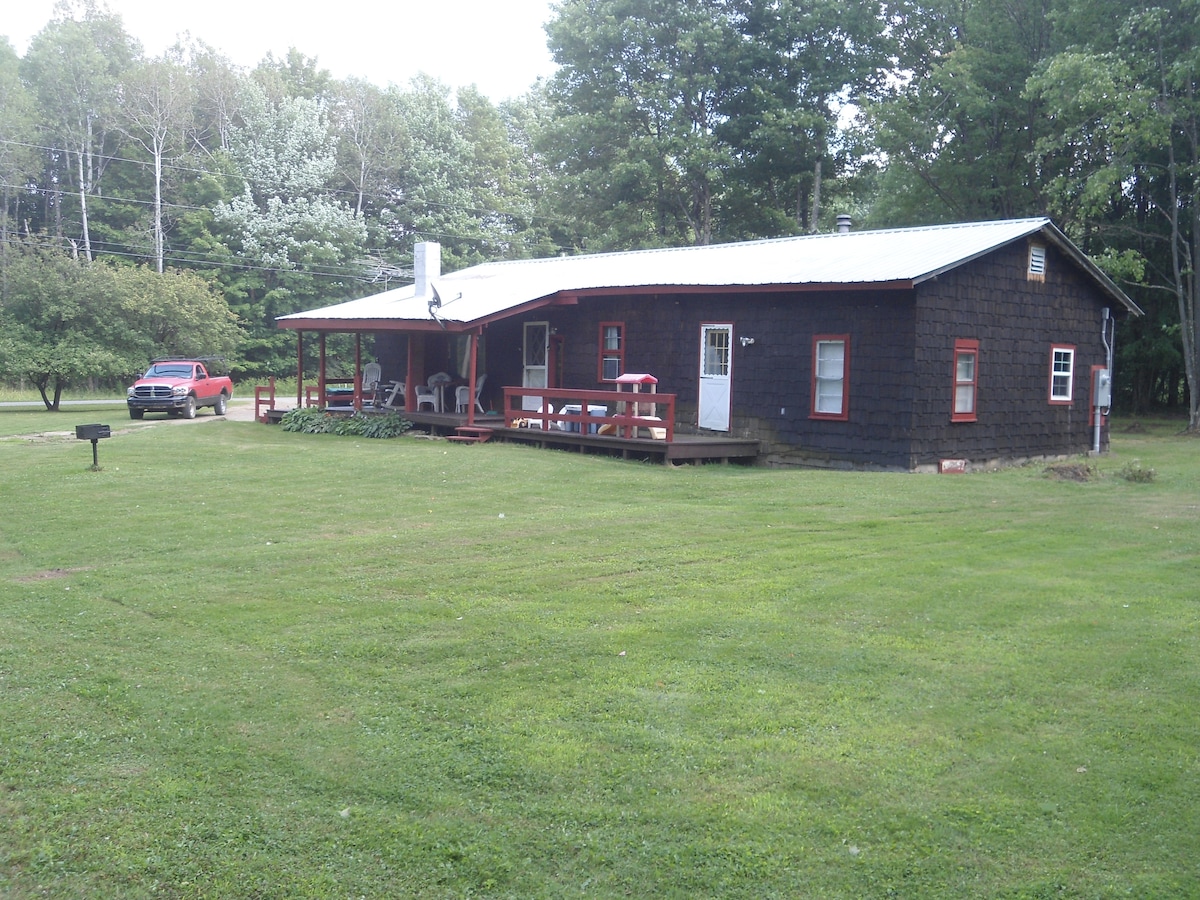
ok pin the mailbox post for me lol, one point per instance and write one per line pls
(93, 433)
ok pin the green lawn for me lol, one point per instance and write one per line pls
(237, 662)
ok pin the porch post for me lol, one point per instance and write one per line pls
(321, 375)
(410, 377)
(299, 368)
(357, 371)
(472, 374)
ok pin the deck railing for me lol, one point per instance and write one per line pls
(624, 413)
(314, 397)
(264, 397)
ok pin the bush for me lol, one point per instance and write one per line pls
(1134, 472)
(310, 420)
(307, 420)
(386, 426)
(349, 426)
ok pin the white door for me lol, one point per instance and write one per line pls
(536, 355)
(715, 360)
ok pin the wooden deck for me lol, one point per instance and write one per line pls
(694, 448)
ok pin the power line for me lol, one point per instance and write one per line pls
(341, 192)
(48, 242)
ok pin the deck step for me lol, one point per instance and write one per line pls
(474, 433)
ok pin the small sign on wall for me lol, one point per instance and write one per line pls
(952, 467)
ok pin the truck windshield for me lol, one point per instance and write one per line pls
(161, 370)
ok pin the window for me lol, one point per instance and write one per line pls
(1062, 373)
(612, 350)
(1037, 262)
(831, 363)
(966, 379)
(716, 351)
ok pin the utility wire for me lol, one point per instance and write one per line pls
(374, 196)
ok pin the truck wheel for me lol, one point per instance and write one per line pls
(189, 408)
(219, 406)
(136, 413)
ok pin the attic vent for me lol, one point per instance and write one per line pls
(1037, 262)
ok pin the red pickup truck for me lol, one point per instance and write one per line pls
(178, 387)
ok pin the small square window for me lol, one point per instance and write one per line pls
(1062, 373)
(966, 380)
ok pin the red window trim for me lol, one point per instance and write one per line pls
(844, 415)
(964, 346)
(602, 354)
(1051, 399)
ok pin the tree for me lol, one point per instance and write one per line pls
(76, 68)
(801, 61)
(1125, 157)
(216, 86)
(18, 158)
(156, 117)
(500, 177)
(691, 122)
(63, 322)
(287, 224)
(430, 193)
(641, 90)
(958, 130)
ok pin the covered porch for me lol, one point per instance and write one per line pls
(620, 423)
(500, 351)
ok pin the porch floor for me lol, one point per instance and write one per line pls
(684, 448)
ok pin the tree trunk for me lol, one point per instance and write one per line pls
(83, 210)
(158, 225)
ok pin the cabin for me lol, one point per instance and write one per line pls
(936, 348)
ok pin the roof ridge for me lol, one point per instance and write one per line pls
(639, 251)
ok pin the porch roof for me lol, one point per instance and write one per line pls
(899, 258)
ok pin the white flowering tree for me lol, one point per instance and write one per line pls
(295, 239)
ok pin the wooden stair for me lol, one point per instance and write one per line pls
(471, 434)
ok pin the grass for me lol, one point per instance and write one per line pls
(243, 663)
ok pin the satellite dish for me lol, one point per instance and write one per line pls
(434, 305)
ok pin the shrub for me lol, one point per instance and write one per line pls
(349, 426)
(307, 420)
(1133, 471)
(310, 420)
(389, 425)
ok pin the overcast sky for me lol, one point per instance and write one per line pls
(498, 45)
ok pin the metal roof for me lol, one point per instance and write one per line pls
(897, 257)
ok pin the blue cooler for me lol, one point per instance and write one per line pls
(571, 409)
(575, 409)
(599, 411)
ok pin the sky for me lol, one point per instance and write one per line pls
(497, 45)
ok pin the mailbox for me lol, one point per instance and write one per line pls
(92, 432)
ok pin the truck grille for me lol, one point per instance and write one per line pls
(152, 392)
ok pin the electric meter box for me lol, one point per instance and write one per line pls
(1103, 392)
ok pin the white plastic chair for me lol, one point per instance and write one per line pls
(428, 395)
(463, 399)
(370, 377)
(479, 391)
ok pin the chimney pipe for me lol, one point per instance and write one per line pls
(843, 223)
(427, 265)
